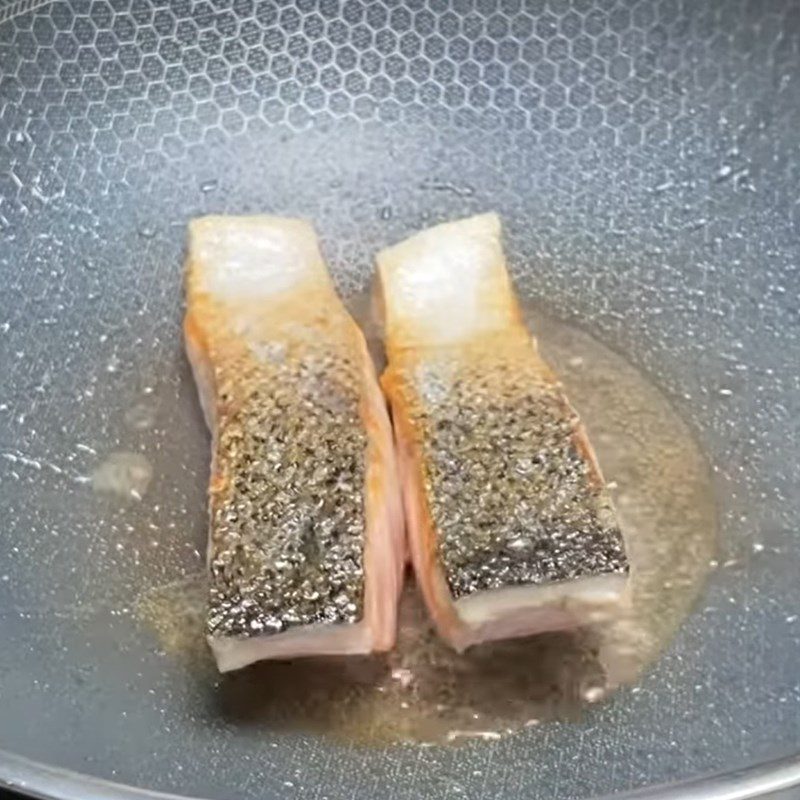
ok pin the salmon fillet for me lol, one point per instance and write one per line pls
(510, 526)
(305, 549)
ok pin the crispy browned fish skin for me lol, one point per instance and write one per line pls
(309, 564)
(460, 356)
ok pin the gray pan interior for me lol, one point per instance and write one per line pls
(644, 156)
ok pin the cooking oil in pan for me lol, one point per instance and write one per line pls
(423, 691)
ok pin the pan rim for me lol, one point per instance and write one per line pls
(35, 779)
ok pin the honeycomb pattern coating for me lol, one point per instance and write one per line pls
(112, 88)
(643, 155)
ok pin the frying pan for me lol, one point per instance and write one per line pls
(644, 157)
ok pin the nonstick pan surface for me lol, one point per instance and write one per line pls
(644, 157)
